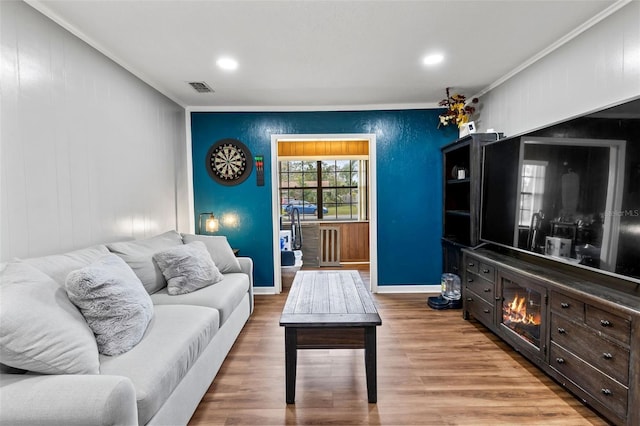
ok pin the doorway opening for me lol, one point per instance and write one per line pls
(323, 202)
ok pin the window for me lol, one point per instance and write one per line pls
(532, 190)
(328, 189)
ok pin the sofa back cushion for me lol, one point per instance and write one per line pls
(58, 266)
(41, 329)
(139, 256)
(219, 249)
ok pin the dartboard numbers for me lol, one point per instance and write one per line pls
(229, 162)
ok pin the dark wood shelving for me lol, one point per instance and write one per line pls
(457, 181)
(458, 212)
(461, 197)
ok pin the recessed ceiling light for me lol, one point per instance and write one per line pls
(227, 63)
(433, 59)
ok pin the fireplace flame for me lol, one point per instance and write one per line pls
(516, 312)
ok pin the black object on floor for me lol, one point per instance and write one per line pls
(287, 258)
(439, 302)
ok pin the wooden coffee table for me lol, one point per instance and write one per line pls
(329, 310)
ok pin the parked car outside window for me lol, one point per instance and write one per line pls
(303, 207)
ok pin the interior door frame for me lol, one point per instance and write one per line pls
(372, 187)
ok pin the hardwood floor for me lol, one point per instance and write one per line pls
(434, 368)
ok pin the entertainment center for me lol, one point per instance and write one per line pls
(557, 272)
(584, 331)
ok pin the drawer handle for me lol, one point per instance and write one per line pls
(472, 264)
(560, 360)
(469, 280)
(486, 311)
(564, 305)
(486, 271)
(562, 330)
(486, 290)
(605, 323)
(606, 391)
(607, 355)
(469, 299)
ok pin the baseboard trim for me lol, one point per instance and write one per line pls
(386, 289)
(383, 289)
(264, 290)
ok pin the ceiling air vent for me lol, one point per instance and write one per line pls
(200, 87)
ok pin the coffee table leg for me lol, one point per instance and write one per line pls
(290, 360)
(370, 363)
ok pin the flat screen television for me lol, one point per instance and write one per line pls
(569, 192)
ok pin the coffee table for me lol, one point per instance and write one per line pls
(329, 310)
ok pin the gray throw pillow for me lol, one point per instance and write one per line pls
(219, 249)
(187, 268)
(113, 301)
(40, 329)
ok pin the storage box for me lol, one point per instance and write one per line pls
(285, 240)
(555, 246)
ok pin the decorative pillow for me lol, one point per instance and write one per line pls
(219, 249)
(139, 256)
(41, 329)
(187, 268)
(113, 301)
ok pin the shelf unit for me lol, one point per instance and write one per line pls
(461, 197)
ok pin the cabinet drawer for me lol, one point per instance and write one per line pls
(608, 357)
(481, 310)
(567, 306)
(472, 264)
(483, 288)
(602, 388)
(608, 324)
(487, 272)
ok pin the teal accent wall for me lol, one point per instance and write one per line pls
(409, 182)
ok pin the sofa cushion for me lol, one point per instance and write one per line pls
(41, 329)
(113, 301)
(224, 296)
(174, 340)
(58, 266)
(187, 267)
(139, 256)
(219, 249)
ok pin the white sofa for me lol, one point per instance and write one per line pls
(163, 378)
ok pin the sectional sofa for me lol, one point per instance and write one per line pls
(52, 372)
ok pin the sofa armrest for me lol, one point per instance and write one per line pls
(246, 263)
(27, 399)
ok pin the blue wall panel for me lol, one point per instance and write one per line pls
(409, 184)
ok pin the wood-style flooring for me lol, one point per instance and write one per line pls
(434, 368)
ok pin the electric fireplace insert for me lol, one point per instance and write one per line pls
(523, 309)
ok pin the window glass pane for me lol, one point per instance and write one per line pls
(339, 188)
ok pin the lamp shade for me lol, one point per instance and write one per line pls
(211, 223)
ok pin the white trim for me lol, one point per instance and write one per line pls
(313, 108)
(189, 149)
(384, 289)
(372, 188)
(391, 289)
(265, 290)
(555, 45)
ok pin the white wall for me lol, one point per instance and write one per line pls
(88, 152)
(598, 68)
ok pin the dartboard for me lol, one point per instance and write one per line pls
(229, 162)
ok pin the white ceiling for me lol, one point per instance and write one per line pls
(324, 54)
